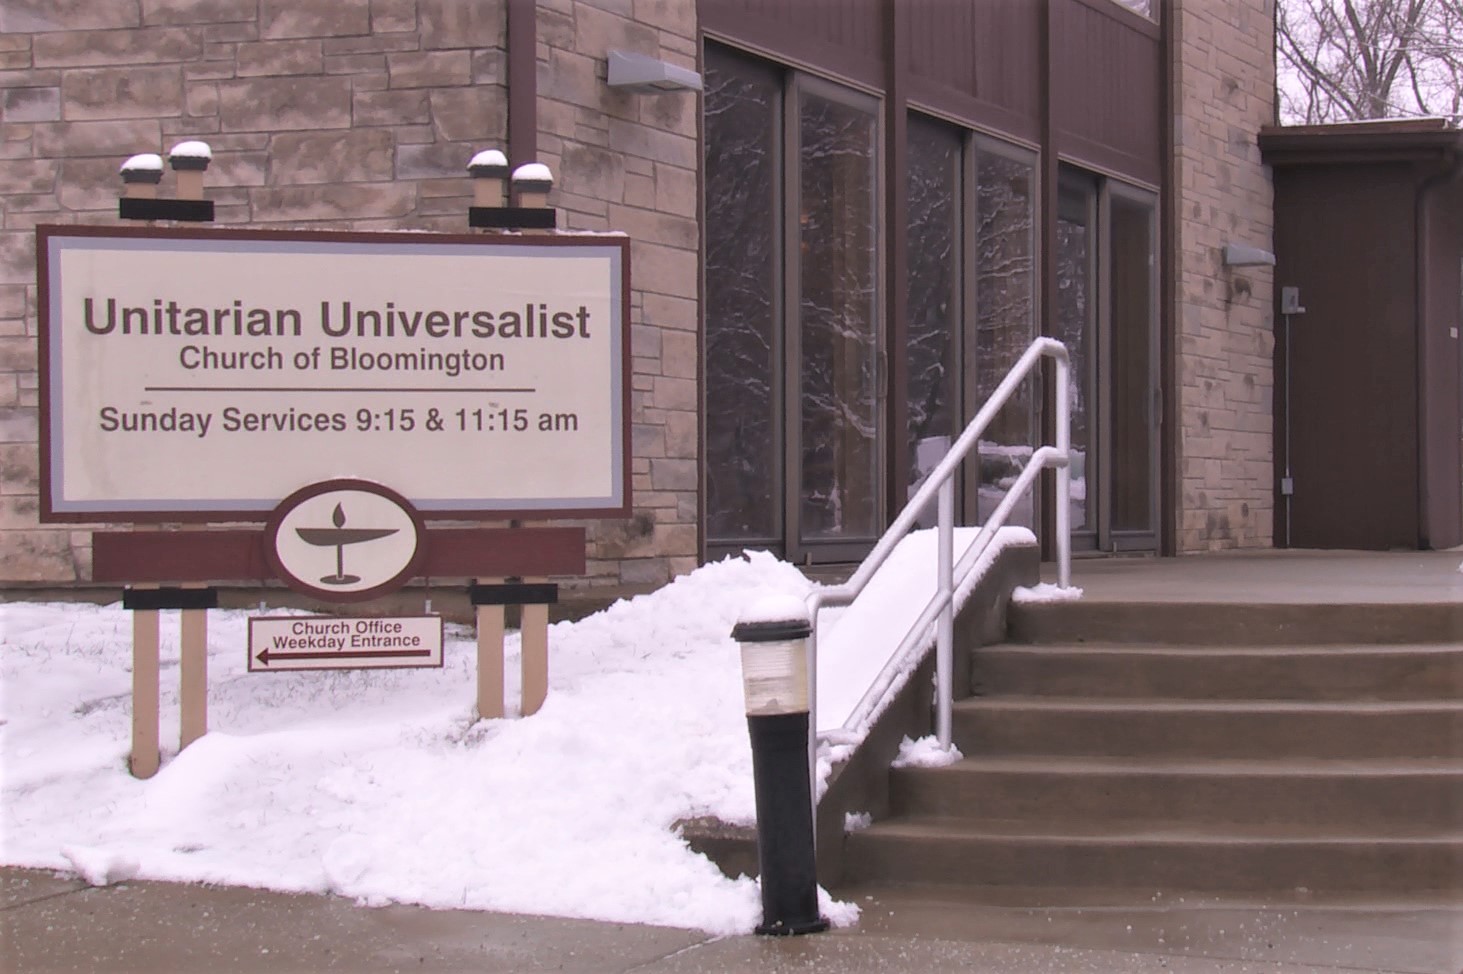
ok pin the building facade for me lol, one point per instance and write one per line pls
(838, 246)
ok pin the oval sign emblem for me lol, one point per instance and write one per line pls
(344, 540)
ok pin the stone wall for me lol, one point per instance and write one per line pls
(1224, 92)
(355, 114)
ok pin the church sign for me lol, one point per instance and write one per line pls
(197, 375)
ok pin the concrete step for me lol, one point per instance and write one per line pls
(919, 850)
(1375, 672)
(1143, 728)
(1380, 796)
(1230, 624)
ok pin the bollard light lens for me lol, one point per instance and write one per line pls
(775, 677)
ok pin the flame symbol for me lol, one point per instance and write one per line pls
(338, 518)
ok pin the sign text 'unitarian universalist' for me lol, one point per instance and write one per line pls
(215, 372)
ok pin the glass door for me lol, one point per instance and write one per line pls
(1106, 315)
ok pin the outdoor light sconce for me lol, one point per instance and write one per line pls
(647, 75)
(1240, 255)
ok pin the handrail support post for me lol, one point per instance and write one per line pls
(945, 631)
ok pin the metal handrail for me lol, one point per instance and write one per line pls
(940, 484)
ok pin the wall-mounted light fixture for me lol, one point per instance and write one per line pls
(1240, 255)
(640, 73)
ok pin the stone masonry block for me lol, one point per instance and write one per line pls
(201, 98)
(429, 69)
(676, 192)
(32, 16)
(599, 31)
(83, 48)
(31, 176)
(679, 358)
(17, 258)
(393, 15)
(665, 311)
(567, 76)
(314, 18)
(659, 228)
(664, 147)
(470, 114)
(12, 301)
(672, 393)
(270, 58)
(134, 92)
(17, 354)
(37, 556)
(647, 440)
(356, 156)
(671, 16)
(30, 105)
(593, 171)
(273, 104)
(198, 11)
(92, 184)
(332, 202)
(390, 107)
(665, 270)
(433, 160)
(112, 139)
(681, 431)
(453, 23)
(18, 426)
(674, 474)
(489, 67)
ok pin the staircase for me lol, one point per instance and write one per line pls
(1271, 751)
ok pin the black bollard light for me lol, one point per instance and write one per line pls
(773, 635)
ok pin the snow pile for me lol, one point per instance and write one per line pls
(925, 753)
(1045, 592)
(854, 647)
(380, 785)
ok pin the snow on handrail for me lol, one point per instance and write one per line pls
(940, 611)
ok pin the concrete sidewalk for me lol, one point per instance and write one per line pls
(55, 924)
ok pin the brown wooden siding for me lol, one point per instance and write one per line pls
(842, 37)
(977, 62)
(1107, 87)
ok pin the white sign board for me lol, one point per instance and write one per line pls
(328, 643)
(206, 374)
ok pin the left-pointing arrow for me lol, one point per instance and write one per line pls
(265, 656)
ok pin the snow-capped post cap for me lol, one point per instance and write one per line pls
(533, 177)
(145, 167)
(489, 172)
(489, 163)
(192, 155)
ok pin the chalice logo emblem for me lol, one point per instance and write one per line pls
(339, 536)
(320, 530)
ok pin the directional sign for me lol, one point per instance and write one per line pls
(328, 643)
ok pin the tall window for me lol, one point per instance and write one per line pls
(794, 385)
(972, 299)
(743, 439)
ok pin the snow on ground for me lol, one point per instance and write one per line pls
(380, 785)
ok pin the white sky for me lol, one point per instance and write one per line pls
(380, 785)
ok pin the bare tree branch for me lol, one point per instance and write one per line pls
(1358, 59)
